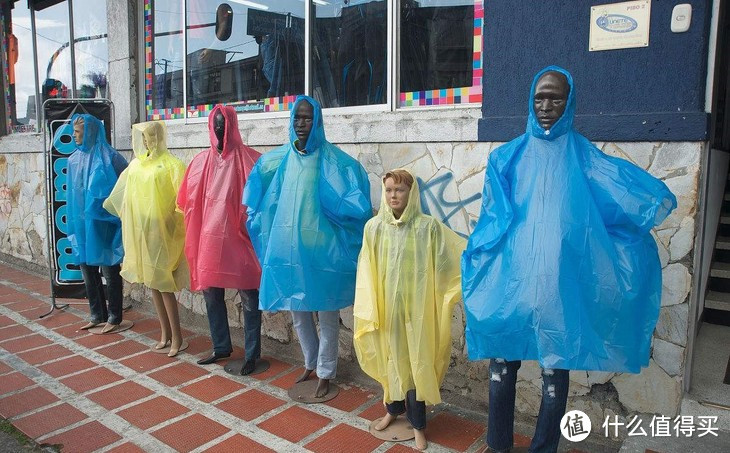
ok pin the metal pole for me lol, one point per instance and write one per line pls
(72, 46)
(35, 72)
(185, 60)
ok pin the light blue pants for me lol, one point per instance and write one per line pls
(320, 352)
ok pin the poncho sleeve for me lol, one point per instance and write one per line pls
(257, 185)
(182, 193)
(115, 202)
(627, 197)
(447, 249)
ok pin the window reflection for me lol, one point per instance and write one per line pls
(54, 53)
(244, 52)
(90, 49)
(349, 52)
(437, 39)
(164, 50)
(20, 70)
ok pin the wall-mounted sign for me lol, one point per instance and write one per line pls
(620, 25)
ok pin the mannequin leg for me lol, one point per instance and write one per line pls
(174, 321)
(329, 330)
(162, 316)
(307, 332)
(416, 413)
(393, 409)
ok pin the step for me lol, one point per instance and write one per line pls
(722, 243)
(725, 220)
(717, 300)
(721, 270)
(727, 197)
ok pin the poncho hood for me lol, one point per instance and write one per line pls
(412, 210)
(232, 140)
(564, 123)
(94, 132)
(149, 140)
(316, 136)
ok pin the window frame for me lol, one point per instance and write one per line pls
(393, 93)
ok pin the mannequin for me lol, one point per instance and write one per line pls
(408, 281)
(95, 236)
(152, 231)
(217, 245)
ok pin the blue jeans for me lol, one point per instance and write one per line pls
(95, 293)
(415, 410)
(500, 431)
(218, 321)
(320, 352)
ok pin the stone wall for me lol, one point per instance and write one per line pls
(452, 175)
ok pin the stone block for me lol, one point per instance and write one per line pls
(399, 155)
(277, 326)
(683, 240)
(640, 153)
(676, 284)
(673, 157)
(672, 324)
(669, 356)
(441, 153)
(468, 159)
(651, 391)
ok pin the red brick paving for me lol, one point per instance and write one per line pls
(126, 448)
(350, 398)
(85, 438)
(373, 412)
(276, 367)
(288, 380)
(20, 403)
(294, 424)
(90, 380)
(14, 381)
(122, 349)
(250, 405)
(92, 341)
(34, 314)
(440, 429)
(60, 319)
(239, 443)
(24, 343)
(341, 436)
(190, 433)
(146, 325)
(199, 345)
(5, 369)
(520, 440)
(49, 420)
(119, 395)
(402, 448)
(15, 331)
(67, 366)
(148, 361)
(72, 331)
(5, 321)
(178, 374)
(152, 412)
(212, 388)
(42, 355)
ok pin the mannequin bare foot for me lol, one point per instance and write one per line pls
(174, 347)
(89, 326)
(322, 388)
(162, 344)
(421, 443)
(248, 367)
(304, 376)
(385, 422)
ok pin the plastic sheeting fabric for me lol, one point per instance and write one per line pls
(217, 245)
(144, 198)
(306, 214)
(561, 266)
(408, 281)
(93, 169)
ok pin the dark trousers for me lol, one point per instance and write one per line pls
(415, 410)
(218, 321)
(95, 293)
(502, 392)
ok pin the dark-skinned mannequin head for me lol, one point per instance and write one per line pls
(303, 119)
(219, 127)
(550, 98)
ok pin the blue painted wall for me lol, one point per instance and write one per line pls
(654, 93)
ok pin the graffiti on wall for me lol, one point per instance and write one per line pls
(434, 202)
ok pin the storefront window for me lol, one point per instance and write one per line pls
(19, 77)
(440, 52)
(90, 48)
(163, 25)
(349, 52)
(53, 52)
(248, 54)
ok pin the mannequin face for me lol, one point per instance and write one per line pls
(219, 127)
(550, 98)
(79, 133)
(303, 118)
(396, 194)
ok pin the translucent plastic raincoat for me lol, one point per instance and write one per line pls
(408, 281)
(306, 214)
(561, 267)
(217, 246)
(93, 169)
(144, 198)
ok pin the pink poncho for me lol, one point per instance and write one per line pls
(217, 244)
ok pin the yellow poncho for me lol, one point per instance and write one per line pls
(408, 281)
(144, 197)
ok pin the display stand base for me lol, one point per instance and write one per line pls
(233, 367)
(303, 392)
(166, 349)
(399, 430)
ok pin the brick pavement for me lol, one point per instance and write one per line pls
(109, 393)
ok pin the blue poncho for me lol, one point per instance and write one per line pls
(561, 267)
(93, 169)
(306, 214)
